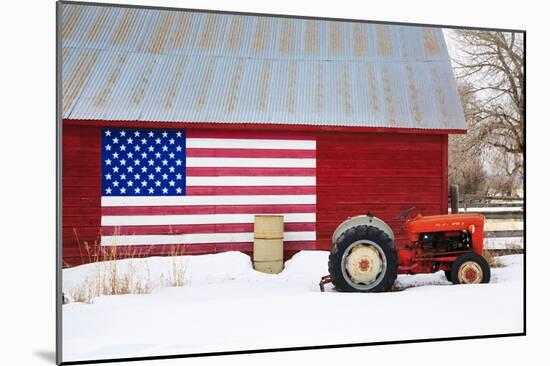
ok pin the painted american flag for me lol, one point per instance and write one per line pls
(204, 187)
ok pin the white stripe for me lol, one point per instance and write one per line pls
(250, 144)
(306, 199)
(144, 220)
(250, 181)
(250, 163)
(197, 238)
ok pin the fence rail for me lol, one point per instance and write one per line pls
(504, 219)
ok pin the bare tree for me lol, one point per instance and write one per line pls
(491, 66)
(466, 154)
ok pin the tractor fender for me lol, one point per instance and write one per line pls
(362, 220)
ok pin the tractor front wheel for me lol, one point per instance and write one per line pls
(363, 259)
(470, 268)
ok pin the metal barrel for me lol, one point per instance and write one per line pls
(268, 243)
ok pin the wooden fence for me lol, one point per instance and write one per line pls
(504, 219)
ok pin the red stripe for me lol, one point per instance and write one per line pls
(183, 249)
(235, 172)
(267, 190)
(269, 135)
(205, 210)
(197, 229)
(249, 153)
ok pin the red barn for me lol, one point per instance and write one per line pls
(179, 126)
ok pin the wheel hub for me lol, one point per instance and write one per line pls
(364, 264)
(470, 273)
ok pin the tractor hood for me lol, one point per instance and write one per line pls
(426, 224)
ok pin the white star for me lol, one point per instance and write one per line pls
(108, 147)
(157, 155)
(151, 176)
(136, 162)
(123, 176)
(143, 155)
(115, 140)
(115, 169)
(122, 148)
(178, 176)
(108, 133)
(143, 141)
(115, 155)
(171, 183)
(130, 169)
(136, 134)
(108, 176)
(178, 162)
(165, 148)
(151, 190)
(151, 134)
(144, 169)
(171, 155)
(115, 183)
(137, 148)
(151, 161)
(165, 162)
(157, 169)
(143, 183)
(123, 190)
(130, 140)
(108, 161)
(151, 148)
(108, 191)
(157, 183)
(172, 141)
(178, 134)
(157, 141)
(130, 155)
(137, 190)
(122, 133)
(165, 176)
(122, 161)
(165, 190)
(136, 176)
(130, 183)
(164, 134)
(171, 169)
(178, 148)
(178, 190)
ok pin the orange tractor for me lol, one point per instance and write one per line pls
(365, 258)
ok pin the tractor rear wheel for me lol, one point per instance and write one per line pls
(363, 259)
(470, 268)
(448, 275)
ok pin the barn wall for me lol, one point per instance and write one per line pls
(81, 192)
(356, 172)
(381, 173)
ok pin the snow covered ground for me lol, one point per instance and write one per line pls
(225, 306)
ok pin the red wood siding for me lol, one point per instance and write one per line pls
(81, 191)
(381, 173)
(385, 173)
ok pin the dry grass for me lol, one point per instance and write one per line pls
(111, 276)
(493, 260)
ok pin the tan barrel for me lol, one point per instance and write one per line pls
(268, 250)
(268, 243)
(268, 227)
(269, 266)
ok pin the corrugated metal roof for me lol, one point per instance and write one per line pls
(165, 65)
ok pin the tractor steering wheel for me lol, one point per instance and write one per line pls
(405, 213)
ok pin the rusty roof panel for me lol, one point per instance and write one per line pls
(166, 65)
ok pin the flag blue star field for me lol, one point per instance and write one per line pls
(137, 162)
(193, 187)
